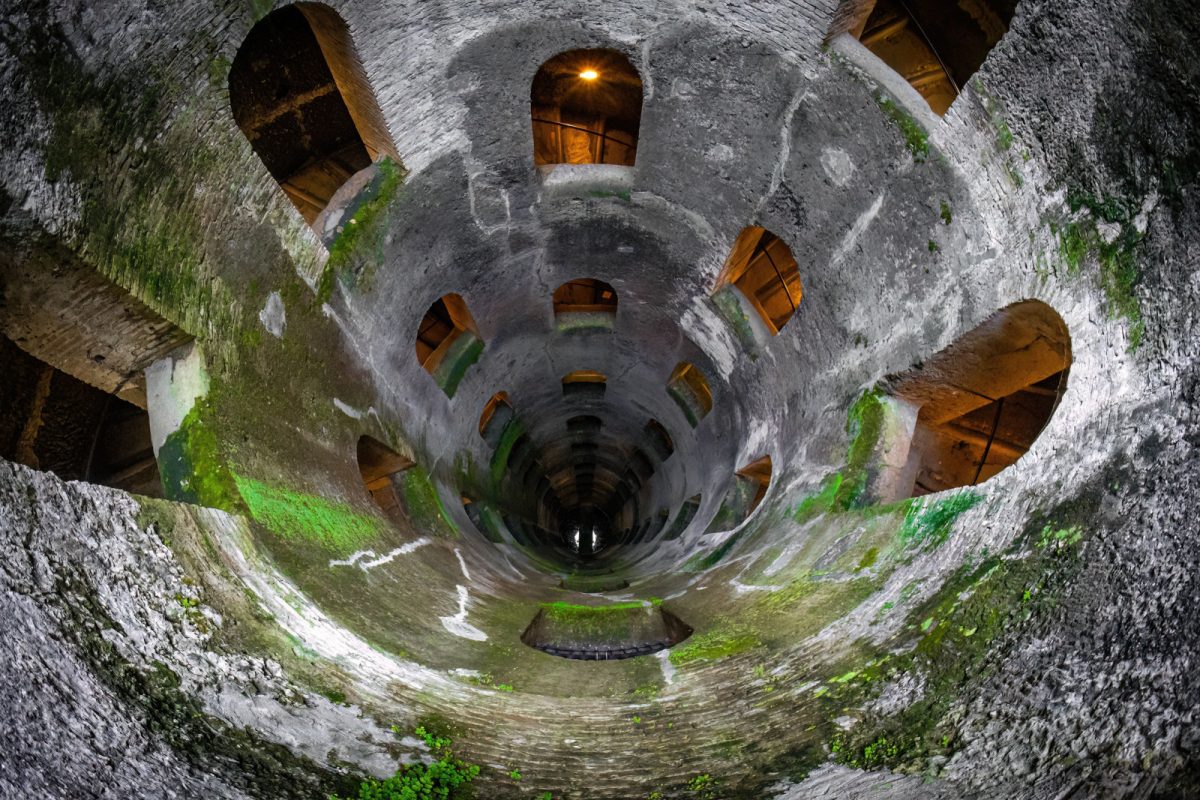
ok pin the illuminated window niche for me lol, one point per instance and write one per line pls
(587, 109)
(585, 304)
(758, 290)
(586, 384)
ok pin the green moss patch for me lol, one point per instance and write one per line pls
(490, 523)
(357, 249)
(566, 625)
(464, 351)
(915, 137)
(864, 424)
(1118, 273)
(447, 778)
(305, 517)
(729, 304)
(582, 321)
(820, 501)
(563, 610)
(713, 646)
(264, 768)
(146, 231)
(191, 465)
(687, 401)
(930, 523)
(424, 505)
(952, 638)
(508, 438)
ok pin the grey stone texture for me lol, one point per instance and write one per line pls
(161, 650)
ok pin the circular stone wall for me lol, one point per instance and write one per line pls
(791, 594)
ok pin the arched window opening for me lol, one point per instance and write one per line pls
(760, 275)
(660, 522)
(533, 469)
(584, 425)
(934, 45)
(660, 440)
(497, 412)
(687, 512)
(744, 496)
(484, 518)
(52, 421)
(379, 465)
(300, 95)
(755, 477)
(585, 384)
(587, 109)
(521, 455)
(472, 509)
(978, 405)
(583, 304)
(641, 465)
(503, 439)
(689, 389)
(448, 342)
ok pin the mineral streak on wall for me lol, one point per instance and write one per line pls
(654, 400)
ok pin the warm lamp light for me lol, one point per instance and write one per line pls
(589, 74)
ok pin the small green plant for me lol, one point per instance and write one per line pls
(515, 774)
(647, 692)
(487, 680)
(1059, 539)
(946, 216)
(933, 246)
(1014, 175)
(914, 135)
(1004, 136)
(703, 787)
(878, 751)
(1119, 272)
(864, 425)
(447, 778)
(876, 754)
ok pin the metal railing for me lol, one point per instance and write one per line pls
(604, 137)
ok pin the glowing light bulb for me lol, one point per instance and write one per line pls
(589, 74)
